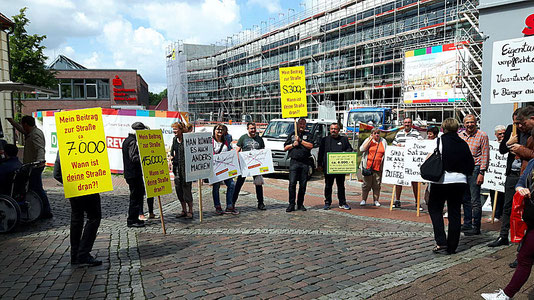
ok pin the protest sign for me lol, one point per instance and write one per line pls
(225, 165)
(293, 92)
(393, 172)
(154, 162)
(494, 177)
(512, 71)
(256, 162)
(83, 152)
(341, 163)
(198, 155)
(415, 155)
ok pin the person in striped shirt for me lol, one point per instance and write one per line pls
(400, 139)
(478, 142)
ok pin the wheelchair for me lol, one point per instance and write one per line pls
(19, 204)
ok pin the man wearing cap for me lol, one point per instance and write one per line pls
(134, 176)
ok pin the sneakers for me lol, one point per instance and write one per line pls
(446, 214)
(362, 203)
(345, 206)
(397, 204)
(301, 208)
(473, 231)
(326, 207)
(261, 206)
(231, 210)
(142, 218)
(498, 295)
(218, 210)
(137, 224)
(377, 204)
(290, 208)
(488, 220)
(151, 216)
(513, 264)
(421, 208)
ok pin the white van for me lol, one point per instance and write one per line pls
(277, 132)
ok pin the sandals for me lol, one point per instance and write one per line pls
(189, 216)
(182, 215)
(439, 249)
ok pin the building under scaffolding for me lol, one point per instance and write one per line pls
(353, 53)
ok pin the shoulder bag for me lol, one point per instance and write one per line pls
(432, 168)
(369, 170)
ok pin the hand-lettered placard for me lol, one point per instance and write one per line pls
(293, 92)
(393, 172)
(416, 153)
(154, 162)
(341, 162)
(494, 177)
(198, 156)
(225, 165)
(83, 152)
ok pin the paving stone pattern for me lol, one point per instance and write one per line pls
(257, 254)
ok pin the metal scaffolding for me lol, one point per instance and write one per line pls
(353, 53)
(177, 77)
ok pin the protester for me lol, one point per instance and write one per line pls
(458, 164)
(34, 151)
(299, 147)
(372, 149)
(82, 237)
(332, 144)
(479, 145)
(220, 145)
(249, 141)
(133, 174)
(183, 188)
(151, 215)
(499, 134)
(409, 133)
(9, 165)
(526, 252)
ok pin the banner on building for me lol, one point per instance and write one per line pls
(341, 162)
(431, 74)
(494, 177)
(393, 168)
(198, 155)
(154, 162)
(512, 71)
(293, 92)
(83, 152)
(256, 162)
(225, 165)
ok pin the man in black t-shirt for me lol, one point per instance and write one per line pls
(299, 148)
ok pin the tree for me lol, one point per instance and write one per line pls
(155, 99)
(27, 58)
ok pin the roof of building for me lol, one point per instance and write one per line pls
(162, 105)
(5, 22)
(64, 63)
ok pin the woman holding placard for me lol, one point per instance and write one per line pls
(183, 188)
(457, 164)
(373, 149)
(222, 142)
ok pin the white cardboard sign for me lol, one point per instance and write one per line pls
(415, 155)
(256, 162)
(494, 177)
(225, 165)
(393, 172)
(198, 156)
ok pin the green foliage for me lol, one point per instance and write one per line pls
(27, 57)
(155, 99)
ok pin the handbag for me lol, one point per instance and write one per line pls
(369, 171)
(432, 168)
(518, 227)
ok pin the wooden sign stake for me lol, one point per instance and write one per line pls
(392, 197)
(161, 216)
(418, 198)
(494, 207)
(200, 199)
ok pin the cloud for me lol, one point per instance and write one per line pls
(272, 6)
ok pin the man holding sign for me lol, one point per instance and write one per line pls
(299, 147)
(329, 144)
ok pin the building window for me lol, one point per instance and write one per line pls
(79, 89)
(103, 88)
(90, 85)
(66, 88)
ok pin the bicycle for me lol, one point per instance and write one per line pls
(20, 205)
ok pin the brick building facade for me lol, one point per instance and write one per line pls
(79, 87)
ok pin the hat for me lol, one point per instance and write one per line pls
(138, 126)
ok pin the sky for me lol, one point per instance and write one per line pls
(133, 34)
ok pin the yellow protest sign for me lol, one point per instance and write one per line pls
(83, 152)
(293, 92)
(341, 162)
(154, 162)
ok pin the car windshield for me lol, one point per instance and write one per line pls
(279, 129)
(365, 117)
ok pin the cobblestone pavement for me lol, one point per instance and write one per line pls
(363, 253)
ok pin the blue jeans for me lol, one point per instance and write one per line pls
(471, 202)
(229, 192)
(36, 185)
